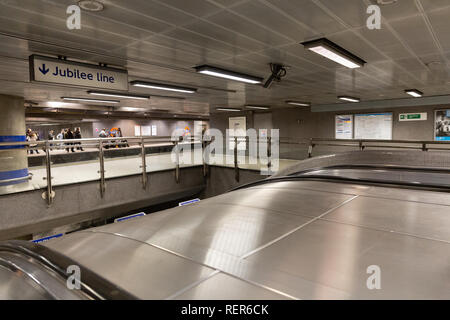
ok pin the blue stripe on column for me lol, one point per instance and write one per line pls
(6, 175)
(12, 139)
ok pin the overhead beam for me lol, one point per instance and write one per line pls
(383, 104)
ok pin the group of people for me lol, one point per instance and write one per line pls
(113, 133)
(65, 134)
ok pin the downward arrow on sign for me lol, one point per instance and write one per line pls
(44, 70)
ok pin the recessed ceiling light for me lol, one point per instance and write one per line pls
(385, 2)
(226, 74)
(414, 92)
(350, 99)
(159, 86)
(228, 109)
(118, 95)
(89, 100)
(298, 103)
(332, 51)
(257, 107)
(91, 5)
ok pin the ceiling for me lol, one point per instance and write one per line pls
(162, 40)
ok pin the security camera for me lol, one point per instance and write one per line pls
(278, 72)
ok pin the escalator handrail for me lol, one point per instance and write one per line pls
(92, 285)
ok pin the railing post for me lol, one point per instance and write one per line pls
(236, 166)
(269, 154)
(49, 194)
(177, 164)
(144, 165)
(424, 147)
(205, 165)
(310, 148)
(101, 157)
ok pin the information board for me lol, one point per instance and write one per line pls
(377, 126)
(51, 70)
(146, 131)
(344, 126)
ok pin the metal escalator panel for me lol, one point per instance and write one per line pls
(32, 271)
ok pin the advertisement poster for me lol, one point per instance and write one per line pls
(442, 125)
(344, 126)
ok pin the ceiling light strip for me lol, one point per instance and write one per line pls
(332, 51)
(118, 95)
(227, 74)
(159, 86)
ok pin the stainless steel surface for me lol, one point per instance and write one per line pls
(142, 269)
(290, 240)
(230, 288)
(14, 286)
(25, 274)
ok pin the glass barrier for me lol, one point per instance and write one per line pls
(63, 162)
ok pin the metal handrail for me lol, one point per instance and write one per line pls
(28, 177)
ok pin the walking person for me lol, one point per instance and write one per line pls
(77, 135)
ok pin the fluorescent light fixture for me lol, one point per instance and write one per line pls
(118, 95)
(350, 99)
(257, 107)
(231, 75)
(228, 109)
(159, 86)
(89, 100)
(332, 51)
(57, 104)
(298, 103)
(414, 92)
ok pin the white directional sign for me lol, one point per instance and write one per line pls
(58, 71)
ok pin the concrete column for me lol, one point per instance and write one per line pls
(13, 159)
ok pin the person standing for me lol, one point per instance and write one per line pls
(69, 136)
(60, 136)
(51, 137)
(123, 143)
(33, 137)
(77, 135)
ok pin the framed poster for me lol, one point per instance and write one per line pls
(344, 126)
(238, 128)
(137, 131)
(442, 125)
(376, 126)
(154, 130)
(146, 131)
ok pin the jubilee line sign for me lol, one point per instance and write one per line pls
(71, 73)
